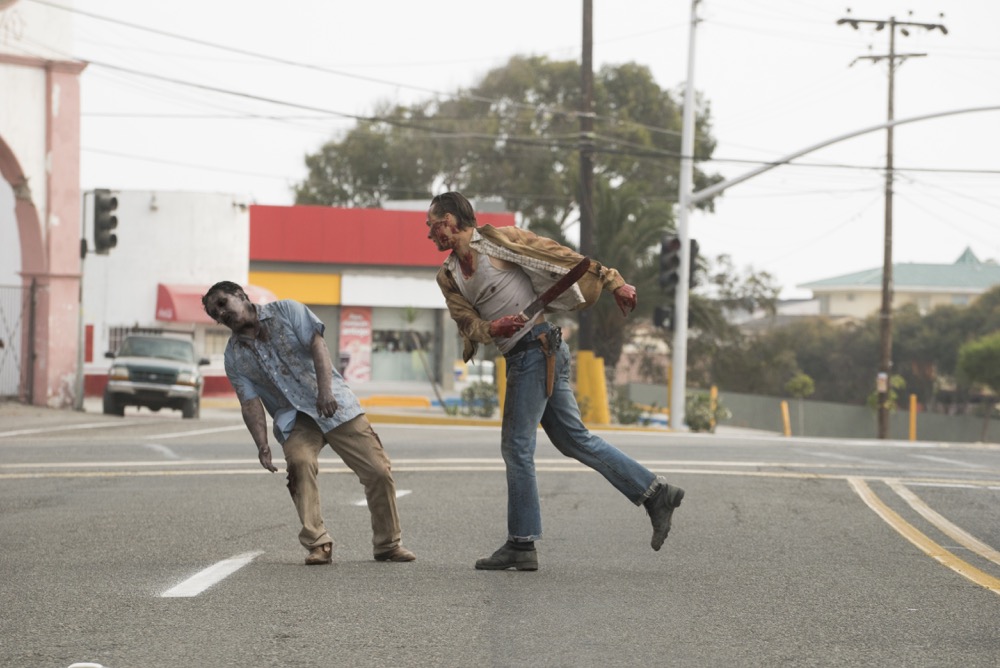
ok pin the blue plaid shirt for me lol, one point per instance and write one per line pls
(281, 372)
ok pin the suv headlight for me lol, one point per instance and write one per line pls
(118, 372)
(187, 378)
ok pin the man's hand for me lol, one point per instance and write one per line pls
(326, 405)
(506, 326)
(626, 298)
(264, 455)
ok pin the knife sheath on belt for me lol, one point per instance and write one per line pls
(559, 287)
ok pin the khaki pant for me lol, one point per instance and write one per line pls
(359, 446)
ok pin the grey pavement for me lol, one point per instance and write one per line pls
(395, 402)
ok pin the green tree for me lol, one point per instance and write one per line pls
(979, 362)
(626, 228)
(800, 386)
(513, 136)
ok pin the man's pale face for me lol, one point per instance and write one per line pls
(441, 230)
(234, 311)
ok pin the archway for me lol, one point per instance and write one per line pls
(48, 220)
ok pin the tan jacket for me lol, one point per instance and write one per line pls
(543, 260)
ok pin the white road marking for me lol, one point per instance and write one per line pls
(848, 458)
(939, 484)
(202, 580)
(163, 450)
(67, 427)
(399, 493)
(964, 538)
(945, 460)
(197, 432)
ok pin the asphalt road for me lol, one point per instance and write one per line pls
(786, 552)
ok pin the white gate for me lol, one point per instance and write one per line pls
(15, 320)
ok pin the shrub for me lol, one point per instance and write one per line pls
(480, 399)
(699, 415)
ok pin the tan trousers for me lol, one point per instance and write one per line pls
(359, 446)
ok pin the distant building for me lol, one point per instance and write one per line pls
(926, 285)
(369, 274)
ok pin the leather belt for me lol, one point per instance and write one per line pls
(523, 344)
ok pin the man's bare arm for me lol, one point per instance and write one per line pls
(326, 405)
(255, 419)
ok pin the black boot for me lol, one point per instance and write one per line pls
(510, 555)
(661, 507)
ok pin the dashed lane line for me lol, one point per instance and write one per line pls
(399, 494)
(197, 432)
(215, 573)
(921, 540)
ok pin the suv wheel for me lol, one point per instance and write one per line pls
(191, 408)
(111, 405)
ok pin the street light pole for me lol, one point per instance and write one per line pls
(678, 352)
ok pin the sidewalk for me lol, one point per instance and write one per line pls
(390, 402)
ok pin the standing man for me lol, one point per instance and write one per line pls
(277, 360)
(491, 275)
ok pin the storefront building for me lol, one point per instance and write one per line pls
(369, 274)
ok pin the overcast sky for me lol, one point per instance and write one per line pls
(780, 76)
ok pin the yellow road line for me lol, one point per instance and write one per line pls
(952, 531)
(919, 539)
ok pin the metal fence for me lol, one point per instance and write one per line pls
(16, 322)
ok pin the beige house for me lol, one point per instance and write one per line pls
(926, 285)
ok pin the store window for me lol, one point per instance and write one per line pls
(402, 344)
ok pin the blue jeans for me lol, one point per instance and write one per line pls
(524, 407)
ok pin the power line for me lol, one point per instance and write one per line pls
(326, 70)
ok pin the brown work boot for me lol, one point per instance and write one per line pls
(321, 554)
(398, 553)
(661, 508)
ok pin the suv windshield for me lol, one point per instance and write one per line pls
(168, 349)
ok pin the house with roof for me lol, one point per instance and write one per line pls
(927, 285)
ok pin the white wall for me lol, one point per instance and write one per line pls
(163, 237)
(367, 289)
(10, 248)
(34, 31)
(37, 30)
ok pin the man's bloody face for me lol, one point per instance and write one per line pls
(234, 311)
(441, 230)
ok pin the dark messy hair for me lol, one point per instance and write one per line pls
(455, 204)
(227, 287)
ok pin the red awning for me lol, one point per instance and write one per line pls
(182, 303)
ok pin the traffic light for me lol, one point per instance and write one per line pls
(670, 261)
(105, 221)
(692, 270)
(663, 316)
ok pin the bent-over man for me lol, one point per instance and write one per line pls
(277, 360)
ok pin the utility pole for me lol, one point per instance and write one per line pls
(885, 314)
(587, 161)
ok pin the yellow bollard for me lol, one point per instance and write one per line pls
(599, 411)
(913, 417)
(713, 404)
(500, 378)
(784, 418)
(584, 360)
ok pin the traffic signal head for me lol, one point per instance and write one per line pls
(105, 221)
(670, 261)
(693, 269)
(663, 316)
